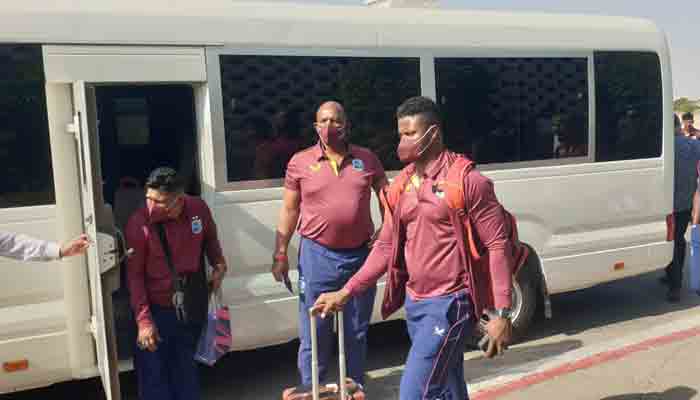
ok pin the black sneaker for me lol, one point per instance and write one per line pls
(673, 296)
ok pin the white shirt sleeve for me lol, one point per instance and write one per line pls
(25, 248)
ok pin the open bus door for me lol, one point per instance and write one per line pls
(103, 256)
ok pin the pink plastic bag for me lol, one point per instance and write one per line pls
(215, 340)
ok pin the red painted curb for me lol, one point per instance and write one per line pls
(584, 363)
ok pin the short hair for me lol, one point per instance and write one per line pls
(423, 106)
(165, 179)
(687, 116)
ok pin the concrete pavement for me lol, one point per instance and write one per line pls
(664, 371)
(659, 363)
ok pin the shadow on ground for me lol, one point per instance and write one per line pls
(676, 393)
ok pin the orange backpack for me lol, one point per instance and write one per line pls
(477, 259)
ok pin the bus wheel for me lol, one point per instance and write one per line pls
(524, 300)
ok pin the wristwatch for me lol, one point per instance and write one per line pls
(503, 312)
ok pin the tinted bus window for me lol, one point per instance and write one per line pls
(270, 104)
(629, 110)
(500, 110)
(25, 155)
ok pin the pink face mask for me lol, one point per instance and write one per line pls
(411, 150)
(160, 213)
(332, 136)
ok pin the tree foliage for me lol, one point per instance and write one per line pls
(684, 104)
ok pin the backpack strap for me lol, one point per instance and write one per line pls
(453, 187)
(391, 194)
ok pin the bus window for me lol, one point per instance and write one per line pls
(629, 110)
(501, 110)
(270, 101)
(25, 156)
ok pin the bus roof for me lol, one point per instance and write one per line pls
(282, 25)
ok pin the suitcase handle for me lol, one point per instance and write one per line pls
(315, 389)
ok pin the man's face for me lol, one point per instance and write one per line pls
(330, 116)
(164, 202)
(412, 127)
(688, 124)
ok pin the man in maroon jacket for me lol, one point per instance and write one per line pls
(164, 359)
(439, 303)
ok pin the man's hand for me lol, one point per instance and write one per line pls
(280, 267)
(328, 303)
(148, 338)
(500, 331)
(75, 247)
(218, 276)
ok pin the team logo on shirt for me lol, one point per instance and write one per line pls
(196, 225)
(437, 331)
(315, 167)
(358, 164)
(437, 190)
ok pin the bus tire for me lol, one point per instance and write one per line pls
(524, 300)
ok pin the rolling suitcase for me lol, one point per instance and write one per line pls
(331, 391)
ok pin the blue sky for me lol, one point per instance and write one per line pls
(680, 19)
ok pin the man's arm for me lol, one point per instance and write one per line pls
(379, 182)
(25, 248)
(288, 219)
(378, 185)
(488, 220)
(136, 273)
(213, 249)
(377, 262)
(374, 267)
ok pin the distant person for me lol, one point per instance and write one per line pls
(687, 156)
(25, 248)
(573, 138)
(258, 134)
(287, 140)
(688, 128)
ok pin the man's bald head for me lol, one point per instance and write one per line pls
(331, 113)
(331, 107)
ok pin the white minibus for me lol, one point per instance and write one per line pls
(570, 116)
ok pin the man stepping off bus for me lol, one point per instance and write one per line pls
(420, 248)
(327, 193)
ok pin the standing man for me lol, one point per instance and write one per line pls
(419, 243)
(688, 128)
(687, 155)
(327, 193)
(25, 248)
(164, 358)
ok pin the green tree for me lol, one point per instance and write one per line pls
(684, 104)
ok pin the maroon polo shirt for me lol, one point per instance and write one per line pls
(150, 280)
(431, 248)
(335, 200)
